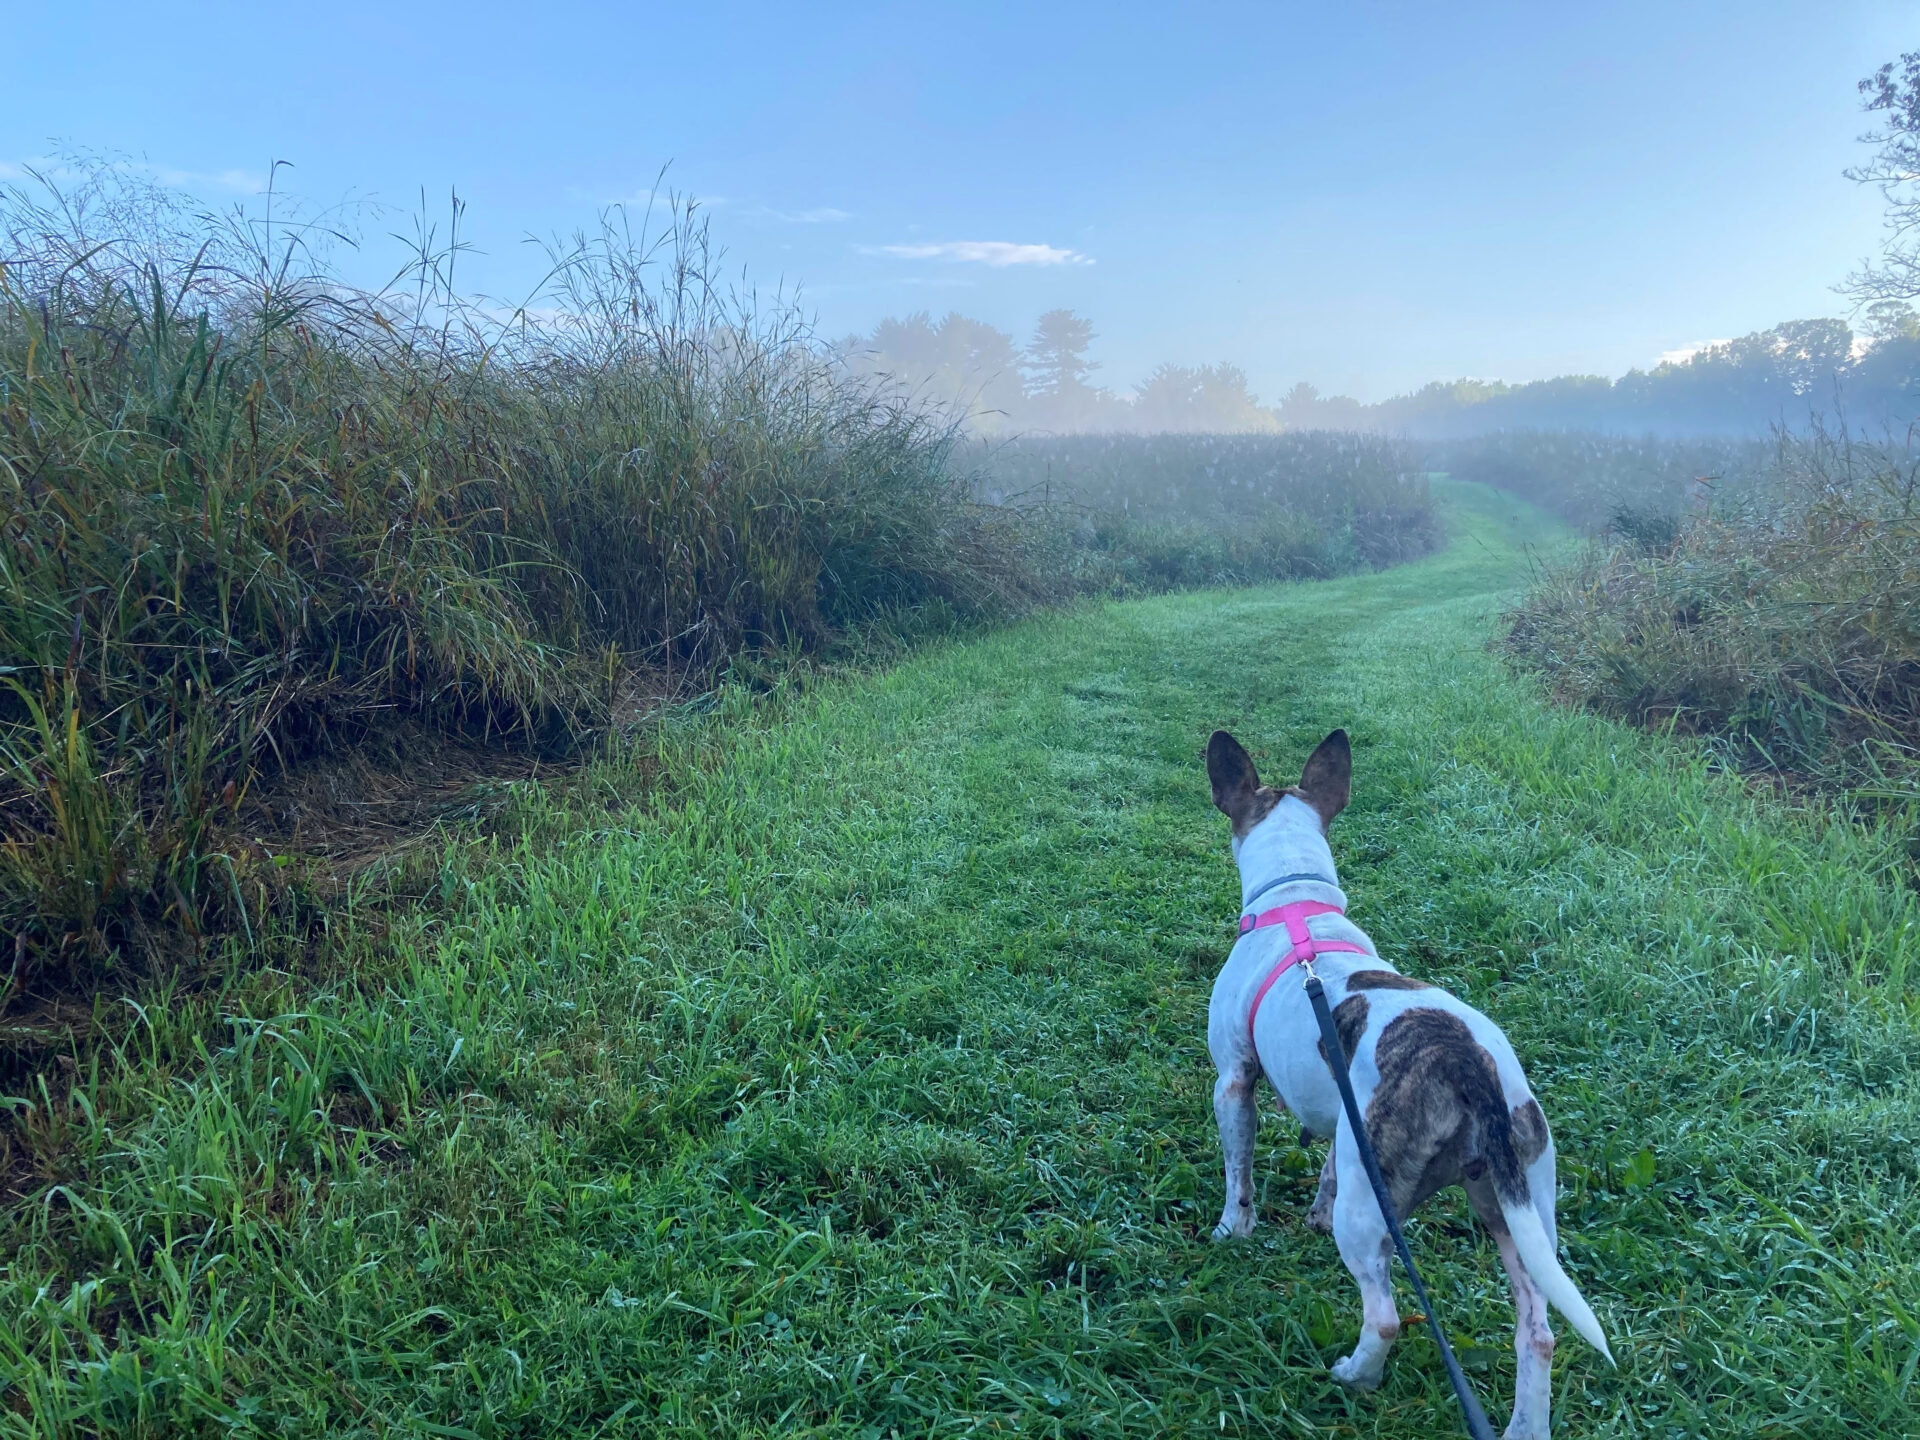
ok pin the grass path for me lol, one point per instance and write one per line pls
(863, 1091)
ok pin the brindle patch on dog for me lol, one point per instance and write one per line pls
(1349, 1023)
(1384, 980)
(1530, 1135)
(1437, 1109)
(1259, 806)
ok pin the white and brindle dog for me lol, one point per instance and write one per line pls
(1443, 1097)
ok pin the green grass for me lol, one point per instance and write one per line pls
(1592, 479)
(857, 1084)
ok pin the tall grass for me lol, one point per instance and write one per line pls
(1593, 479)
(253, 514)
(250, 511)
(1781, 616)
(1158, 512)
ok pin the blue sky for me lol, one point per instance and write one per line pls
(1364, 195)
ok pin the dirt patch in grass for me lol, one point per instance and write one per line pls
(344, 812)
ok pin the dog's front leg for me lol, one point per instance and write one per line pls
(1239, 1118)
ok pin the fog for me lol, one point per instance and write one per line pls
(1791, 375)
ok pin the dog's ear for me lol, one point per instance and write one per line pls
(1231, 770)
(1327, 780)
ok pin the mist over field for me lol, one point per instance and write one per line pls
(1789, 374)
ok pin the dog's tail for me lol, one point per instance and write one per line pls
(1497, 1142)
(1536, 1253)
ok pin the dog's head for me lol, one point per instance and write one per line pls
(1324, 786)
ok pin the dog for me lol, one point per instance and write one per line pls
(1444, 1098)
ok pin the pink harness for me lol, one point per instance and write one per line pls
(1305, 947)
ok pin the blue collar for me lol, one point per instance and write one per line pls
(1247, 904)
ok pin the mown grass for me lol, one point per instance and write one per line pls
(857, 1084)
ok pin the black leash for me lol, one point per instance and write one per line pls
(1477, 1425)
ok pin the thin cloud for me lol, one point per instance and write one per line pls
(62, 168)
(1687, 352)
(241, 181)
(997, 253)
(660, 199)
(817, 215)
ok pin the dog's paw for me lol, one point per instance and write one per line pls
(1235, 1224)
(1320, 1218)
(1349, 1373)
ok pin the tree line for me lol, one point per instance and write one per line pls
(1786, 375)
(1789, 376)
(972, 369)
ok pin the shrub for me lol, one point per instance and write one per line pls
(1782, 617)
(1650, 531)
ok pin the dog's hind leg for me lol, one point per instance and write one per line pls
(1320, 1217)
(1239, 1117)
(1532, 1335)
(1361, 1235)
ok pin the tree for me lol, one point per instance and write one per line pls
(1894, 92)
(1304, 408)
(958, 364)
(1058, 370)
(1889, 320)
(1207, 399)
(1057, 355)
(989, 361)
(1804, 354)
